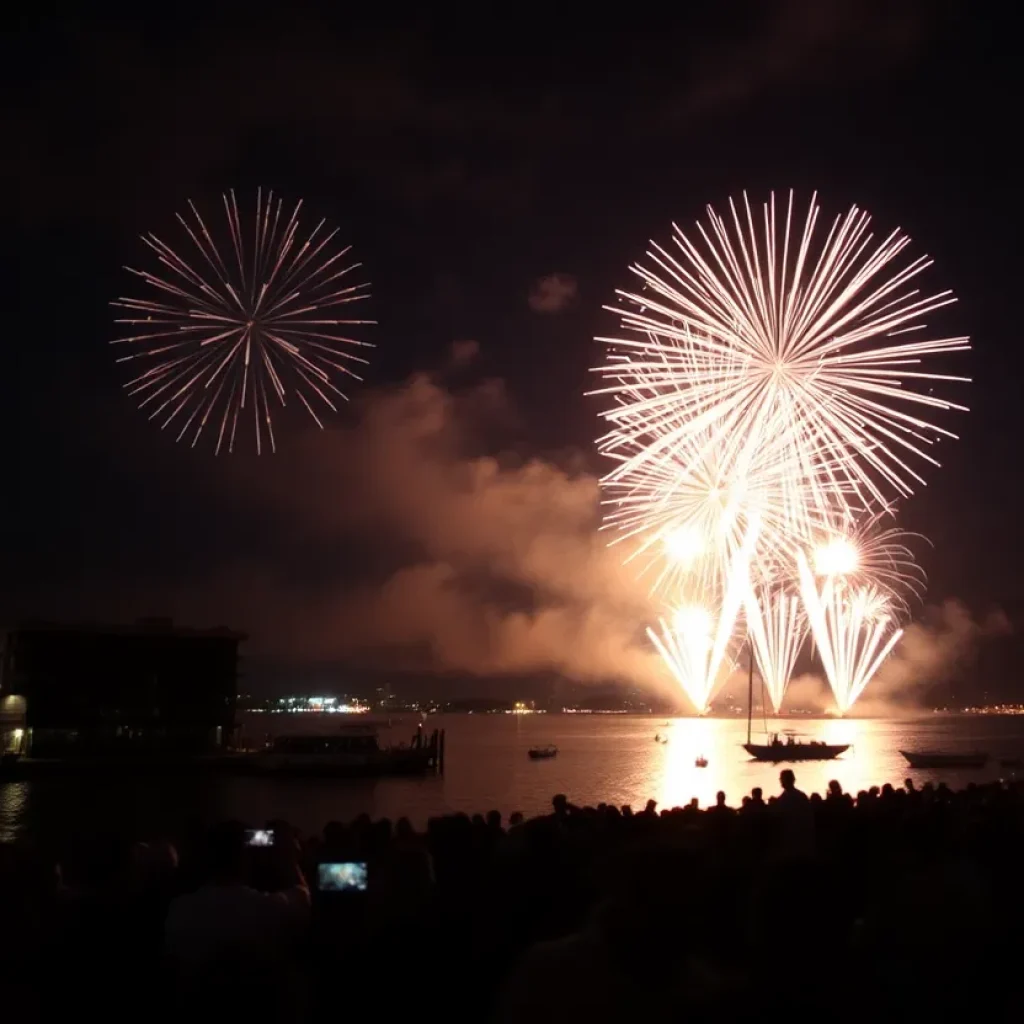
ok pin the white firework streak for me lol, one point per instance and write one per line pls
(778, 627)
(232, 324)
(699, 640)
(817, 342)
(852, 629)
(875, 555)
(688, 509)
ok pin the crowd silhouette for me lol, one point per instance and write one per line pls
(837, 907)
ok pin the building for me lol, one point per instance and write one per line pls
(142, 688)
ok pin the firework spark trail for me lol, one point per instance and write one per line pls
(765, 370)
(699, 495)
(235, 323)
(853, 629)
(867, 553)
(698, 640)
(778, 626)
(690, 508)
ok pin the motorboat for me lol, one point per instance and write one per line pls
(945, 758)
(701, 762)
(542, 753)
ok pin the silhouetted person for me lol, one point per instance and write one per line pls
(226, 941)
(795, 816)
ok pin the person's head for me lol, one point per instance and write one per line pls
(225, 852)
(757, 794)
(720, 798)
(560, 803)
(787, 780)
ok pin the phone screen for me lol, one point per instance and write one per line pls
(348, 876)
(259, 836)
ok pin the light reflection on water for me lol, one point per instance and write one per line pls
(610, 758)
(873, 758)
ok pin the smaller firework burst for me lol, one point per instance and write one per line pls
(233, 328)
(854, 587)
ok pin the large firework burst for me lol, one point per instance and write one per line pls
(769, 384)
(818, 339)
(238, 325)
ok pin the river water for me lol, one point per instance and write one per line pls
(610, 758)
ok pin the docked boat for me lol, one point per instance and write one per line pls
(945, 759)
(542, 753)
(777, 752)
(353, 752)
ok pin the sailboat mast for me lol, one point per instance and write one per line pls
(750, 693)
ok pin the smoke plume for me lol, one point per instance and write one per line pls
(485, 564)
(933, 649)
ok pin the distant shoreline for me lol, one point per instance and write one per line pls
(759, 717)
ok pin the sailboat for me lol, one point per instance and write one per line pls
(778, 752)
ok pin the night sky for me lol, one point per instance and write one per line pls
(496, 179)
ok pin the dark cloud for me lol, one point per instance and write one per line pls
(463, 353)
(801, 42)
(554, 293)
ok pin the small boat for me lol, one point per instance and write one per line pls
(1011, 762)
(701, 762)
(945, 759)
(660, 739)
(542, 753)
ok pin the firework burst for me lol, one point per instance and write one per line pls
(772, 372)
(233, 328)
(763, 322)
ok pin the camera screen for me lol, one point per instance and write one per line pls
(260, 837)
(346, 877)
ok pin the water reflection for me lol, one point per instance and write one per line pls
(873, 757)
(679, 778)
(13, 801)
(612, 759)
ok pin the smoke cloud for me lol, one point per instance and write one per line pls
(483, 564)
(418, 540)
(554, 293)
(934, 649)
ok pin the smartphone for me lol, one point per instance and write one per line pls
(259, 837)
(347, 876)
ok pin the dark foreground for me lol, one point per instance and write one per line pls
(898, 901)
